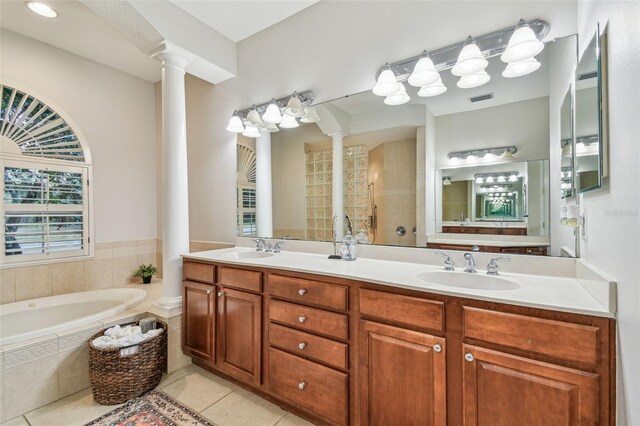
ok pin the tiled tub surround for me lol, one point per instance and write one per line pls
(113, 265)
(37, 372)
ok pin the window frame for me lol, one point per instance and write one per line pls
(21, 161)
(242, 210)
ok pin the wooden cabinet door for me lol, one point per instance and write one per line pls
(505, 390)
(198, 320)
(239, 335)
(403, 376)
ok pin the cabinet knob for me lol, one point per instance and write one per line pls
(468, 356)
(302, 291)
(437, 348)
(302, 319)
(220, 293)
(302, 385)
(209, 291)
(302, 345)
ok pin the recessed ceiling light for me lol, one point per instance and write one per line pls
(42, 9)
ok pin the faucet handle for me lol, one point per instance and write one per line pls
(260, 243)
(492, 267)
(277, 246)
(448, 262)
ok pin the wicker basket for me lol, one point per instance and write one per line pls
(118, 378)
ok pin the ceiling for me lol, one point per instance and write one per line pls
(238, 20)
(80, 31)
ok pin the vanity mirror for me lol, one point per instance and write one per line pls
(397, 184)
(566, 147)
(590, 125)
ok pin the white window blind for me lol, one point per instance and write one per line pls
(44, 211)
(246, 210)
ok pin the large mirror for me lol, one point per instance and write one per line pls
(590, 125)
(399, 181)
(566, 147)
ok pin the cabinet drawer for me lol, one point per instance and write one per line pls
(402, 309)
(240, 278)
(313, 387)
(199, 272)
(312, 292)
(310, 319)
(557, 339)
(309, 346)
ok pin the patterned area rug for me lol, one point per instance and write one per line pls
(153, 409)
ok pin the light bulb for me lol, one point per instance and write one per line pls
(424, 73)
(522, 45)
(272, 114)
(399, 97)
(386, 84)
(470, 59)
(42, 9)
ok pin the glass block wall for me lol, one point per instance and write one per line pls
(319, 191)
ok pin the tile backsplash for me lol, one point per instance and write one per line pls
(113, 265)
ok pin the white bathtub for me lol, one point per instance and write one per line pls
(49, 315)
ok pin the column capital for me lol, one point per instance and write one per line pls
(171, 55)
(337, 135)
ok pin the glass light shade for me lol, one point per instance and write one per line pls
(253, 118)
(470, 59)
(271, 127)
(522, 45)
(513, 178)
(446, 181)
(507, 155)
(235, 124)
(424, 73)
(272, 114)
(471, 159)
(479, 180)
(42, 9)
(288, 122)
(473, 80)
(386, 84)
(399, 97)
(251, 132)
(489, 157)
(502, 179)
(454, 160)
(489, 179)
(310, 115)
(518, 69)
(434, 89)
(294, 107)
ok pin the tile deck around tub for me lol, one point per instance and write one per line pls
(225, 405)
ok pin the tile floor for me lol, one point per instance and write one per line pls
(216, 399)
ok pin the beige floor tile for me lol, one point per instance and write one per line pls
(77, 409)
(199, 390)
(293, 420)
(242, 408)
(18, 421)
(178, 374)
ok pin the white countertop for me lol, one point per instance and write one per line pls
(488, 240)
(536, 291)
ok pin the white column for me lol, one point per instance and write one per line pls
(175, 208)
(337, 183)
(264, 197)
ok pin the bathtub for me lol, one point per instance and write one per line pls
(33, 318)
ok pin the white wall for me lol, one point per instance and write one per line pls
(614, 211)
(115, 113)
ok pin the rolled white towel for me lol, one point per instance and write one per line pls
(130, 350)
(128, 331)
(105, 342)
(113, 331)
(152, 333)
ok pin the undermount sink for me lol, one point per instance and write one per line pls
(467, 280)
(247, 255)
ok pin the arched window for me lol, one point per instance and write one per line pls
(246, 195)
(45, 183)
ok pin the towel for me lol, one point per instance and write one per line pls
(113, 331)
(105, 342)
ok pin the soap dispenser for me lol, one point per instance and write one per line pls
(349, 247)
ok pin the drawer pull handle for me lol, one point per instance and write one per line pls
(468, 356)
(302, 291)
(302, 385)
(220, 294)
(302, 319)
(437, 348)
(302, 345)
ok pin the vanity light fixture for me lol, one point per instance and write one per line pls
(505, 152)
(501, 179)
(387, 83)
(523, 44)
(251, 132)
(272, 114)
(433, 89)
(489, 179)
(288, 122)
(235, 123)
(479, 179)
(424, 73)
(513, 177)
(294, 106)
(470, 60)
(399, 97)
(473, 80)
(41, 9)
(310, 115)
(518, 69)
(498, 177)
(447, 180)
(253, 118)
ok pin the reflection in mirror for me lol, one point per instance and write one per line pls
(393, 182)
(566, 146)
(590, 138)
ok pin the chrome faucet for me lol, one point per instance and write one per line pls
(276, 246)
(469, 263)
(492, 267)
(262, 245)
(448, 262)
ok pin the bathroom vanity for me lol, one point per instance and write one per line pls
(390, 343)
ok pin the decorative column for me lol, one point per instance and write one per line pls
(264, 199)
(175, 208)
(337, 183)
